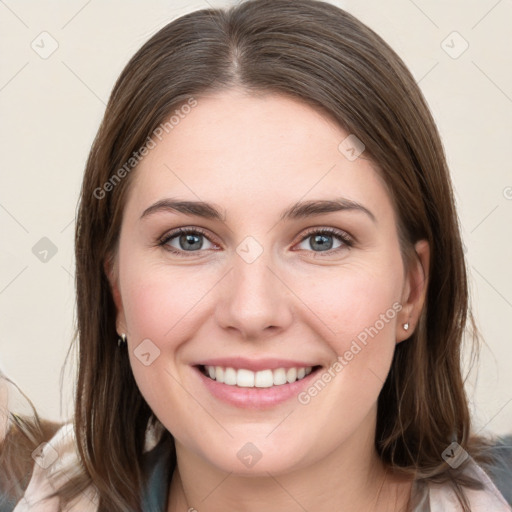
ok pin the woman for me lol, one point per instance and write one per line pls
(224, 364)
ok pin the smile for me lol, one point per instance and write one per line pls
(260, 379)
(248, 383)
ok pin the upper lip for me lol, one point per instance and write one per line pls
(254, 364)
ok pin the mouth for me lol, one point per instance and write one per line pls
(267, 378)
(260, 388)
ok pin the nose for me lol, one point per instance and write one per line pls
(254, 300)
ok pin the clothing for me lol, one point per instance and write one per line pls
(426, 497)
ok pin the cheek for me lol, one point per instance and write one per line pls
(158, 307)
(350, 301)
(355, 309)
(151, 307)
(159, 301)
(360, 307)
(161, 307)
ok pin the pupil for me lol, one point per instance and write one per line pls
(190, 238)
(324, 242)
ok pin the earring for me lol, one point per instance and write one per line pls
(406, 326)
(121, 340)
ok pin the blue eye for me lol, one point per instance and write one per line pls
(191, 240)
(188, 240)
(321, 240)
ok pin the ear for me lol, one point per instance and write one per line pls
(111, 271)
(414, 291)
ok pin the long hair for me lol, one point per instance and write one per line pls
(319, 54)
(21, 433)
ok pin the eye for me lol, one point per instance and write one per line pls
(321, 240)
(191, 239)
(184, 240)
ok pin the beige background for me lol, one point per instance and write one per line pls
(51, 108)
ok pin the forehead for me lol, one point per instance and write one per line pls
(242, 149)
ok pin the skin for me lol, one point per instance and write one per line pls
(253, 156)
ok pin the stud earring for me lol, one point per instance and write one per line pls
(406, 326)
(121, 340)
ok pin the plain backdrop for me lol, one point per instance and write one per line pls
(59, 61)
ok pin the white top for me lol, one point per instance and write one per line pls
(60, 452)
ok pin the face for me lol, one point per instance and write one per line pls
(269, 292)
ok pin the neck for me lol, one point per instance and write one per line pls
(340, 481)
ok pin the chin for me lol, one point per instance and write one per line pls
(256, 459)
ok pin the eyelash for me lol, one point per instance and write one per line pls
(340, 235)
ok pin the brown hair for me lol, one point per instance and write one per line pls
(321, 55)
(24, 432)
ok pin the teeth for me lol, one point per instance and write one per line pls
(262, 379)
(219, 374)
(291, 374)
(244, 378)
(230, 377)
(279, 377)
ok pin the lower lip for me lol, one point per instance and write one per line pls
(255, 398)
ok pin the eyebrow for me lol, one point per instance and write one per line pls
(299, 210)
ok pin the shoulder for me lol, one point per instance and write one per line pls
(55, 462)
(500, 468)
(443, 498)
